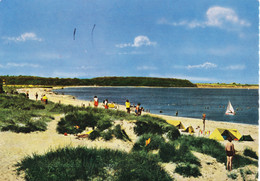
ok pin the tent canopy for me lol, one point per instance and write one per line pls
(189, 129)
(246, 138)
(177, 124)
(222, 134)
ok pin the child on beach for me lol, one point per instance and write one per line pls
(95, 101)
(230, 151)
(127, 105)
(106, 104)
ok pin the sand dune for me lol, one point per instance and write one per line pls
(14, 146)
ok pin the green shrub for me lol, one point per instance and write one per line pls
(188, 170)
(94, 135)
(249, 152)
(232, 175)
(155, 143)
(107, 134)
(91, 164)
(141, 166)
(167, 151)
(104, 123)
(173, 133)
(120, 134)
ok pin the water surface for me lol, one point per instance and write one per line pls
(189, 102)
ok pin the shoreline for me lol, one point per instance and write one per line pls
(244, 129)
(123, 107)
(16, 146)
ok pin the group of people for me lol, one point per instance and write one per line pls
(138, 109)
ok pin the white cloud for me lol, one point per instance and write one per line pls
(22, 65)
(24, 37)
(235, 67)
(216, 16)
(138, 42)
(10, 65)
(146, 68)
(220, 16)
(205, 65)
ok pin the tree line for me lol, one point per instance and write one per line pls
(99, 81)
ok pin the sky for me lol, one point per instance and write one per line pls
(204, 41)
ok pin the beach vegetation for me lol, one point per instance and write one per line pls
(187, 170)
(155, 142)
(249, 152)
(91, 164)
(107, 134)
(232, 175)
(22, 115)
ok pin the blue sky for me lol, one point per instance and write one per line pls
(202, 41)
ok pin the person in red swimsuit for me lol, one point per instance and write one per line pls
(230, 151)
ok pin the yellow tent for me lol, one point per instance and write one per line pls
(189, 129)
(221, 134)
(177, 124)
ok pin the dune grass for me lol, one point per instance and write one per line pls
(92, 164)
(19, 114)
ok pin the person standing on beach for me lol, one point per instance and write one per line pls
(138, 110)
(127, 105)
(27, 95)
(36, 96)
(95, 101)
(106, 104)
(203, 118)
(230, 151)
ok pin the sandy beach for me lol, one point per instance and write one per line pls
(16, 146)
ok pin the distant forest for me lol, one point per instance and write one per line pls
(99, 81)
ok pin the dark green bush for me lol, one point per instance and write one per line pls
(149, 124)
(167, 151)
(94, 135)
(188, 170)
(104, 123)
(120, 134)
(79, 118)
(249, 152)
(107, 134)
(91, 164)
(140, 166)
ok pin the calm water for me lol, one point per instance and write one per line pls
(189, 102)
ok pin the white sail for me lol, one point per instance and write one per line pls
(230, 109)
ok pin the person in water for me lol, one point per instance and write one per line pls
(230, 151)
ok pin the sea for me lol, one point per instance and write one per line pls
(188, 102)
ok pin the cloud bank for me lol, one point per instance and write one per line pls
(24, 37)
(216, 16)
(205, 65)
(138, 42)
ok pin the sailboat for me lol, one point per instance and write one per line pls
(230, 109)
